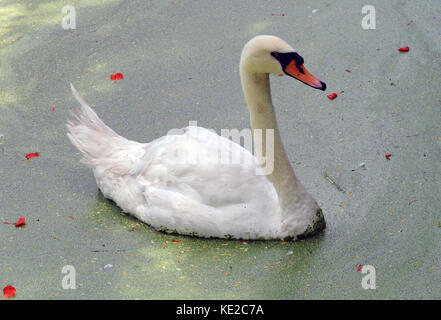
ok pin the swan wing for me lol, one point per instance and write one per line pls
(200, 183)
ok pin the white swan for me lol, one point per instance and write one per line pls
(206, 198)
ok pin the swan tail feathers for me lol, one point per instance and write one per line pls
(90, 135)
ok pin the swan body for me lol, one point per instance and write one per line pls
(176, 183)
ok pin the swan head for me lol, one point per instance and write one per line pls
(270, 54)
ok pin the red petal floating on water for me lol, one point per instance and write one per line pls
(116, 77)
(71, 218)
(31, 155)
(405, 49)
(388, 156)
(53, 109)
(359, 268)
(332, 96)
(20, 222)
(177, 240)
(8, 292)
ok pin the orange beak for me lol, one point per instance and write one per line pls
(300, 73)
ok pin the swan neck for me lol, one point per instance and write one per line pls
(256, 88)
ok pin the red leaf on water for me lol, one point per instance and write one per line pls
(8, 292)
(31, 155)
(359, 268)
(20, 222)
(332, 96)
(116, 77)
(177, 240)
(405, 49)
(388, 156)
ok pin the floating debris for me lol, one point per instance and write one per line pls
(32, 155)
(19, 223)
(332, 96)
(405, 49)
(116, 77)
(8, 292)
(331, 180)
(362, 165)
(108, 266)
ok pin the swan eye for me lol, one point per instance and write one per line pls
(286, 58)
